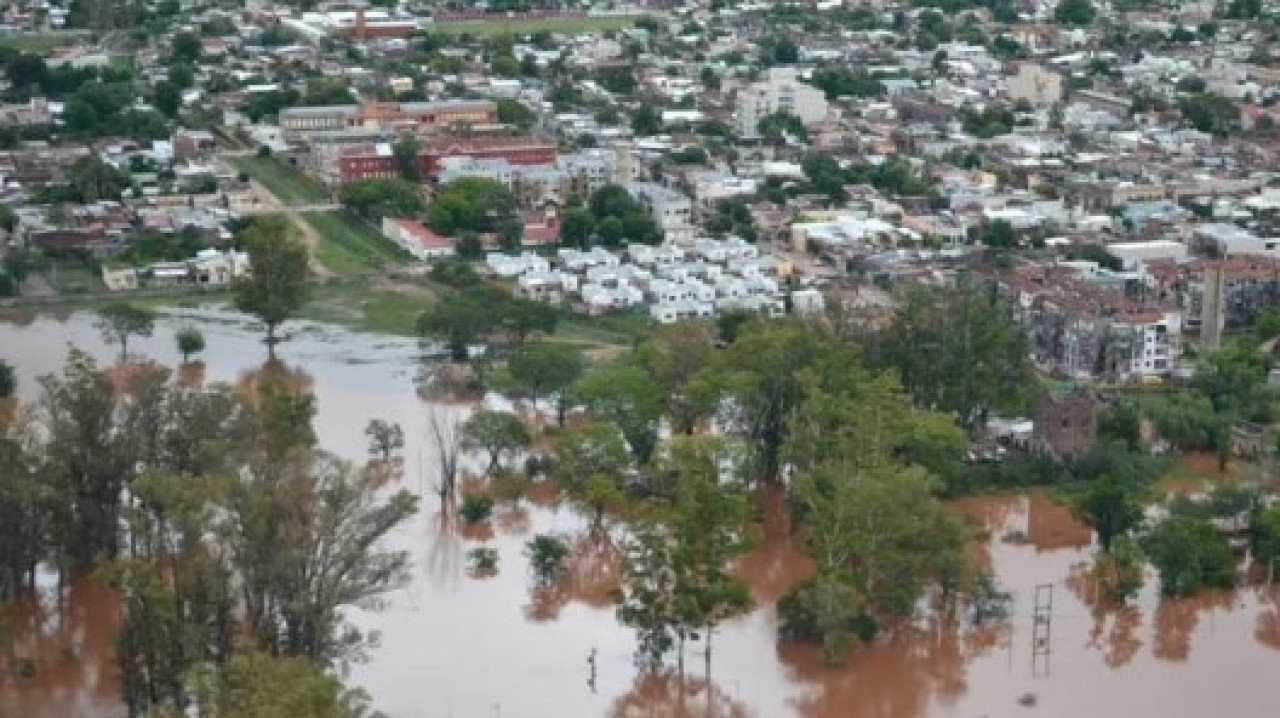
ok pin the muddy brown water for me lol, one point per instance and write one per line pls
(453, 645)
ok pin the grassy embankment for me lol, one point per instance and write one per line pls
(526, 26)
(38, 44)
(289, 184)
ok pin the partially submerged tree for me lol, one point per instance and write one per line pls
(276, 286)
(190, 341)
(385, 439)
(499, 434)
(445, 440)
(546, 554)
(119, 321)
(546, 368)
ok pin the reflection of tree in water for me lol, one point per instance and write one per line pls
(1176, 620)
(69, 644)
(444, 548)
(895, 676)
(779, 560)
(590, 573)
(512, 520)
(668, 695)
(1119, 644)
(1267, 625)
(294, 379)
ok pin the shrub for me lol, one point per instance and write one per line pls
(546, 556)
(476, 507)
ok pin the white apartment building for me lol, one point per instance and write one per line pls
(780, 91)
(671, 210)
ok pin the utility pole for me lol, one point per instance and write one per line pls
(1041, 630)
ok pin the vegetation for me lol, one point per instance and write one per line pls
(8, 380)
(1190, 553)
(546, 556)
(611, 216)
(190, 341)
(959, 350)
(498, 434)
(287, 183)
(276, 287)
(120, 321)
(471, 204)
(243, 539)
(476, 508)
(350, 244)
(373, 199)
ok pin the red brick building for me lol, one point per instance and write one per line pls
(377, 161)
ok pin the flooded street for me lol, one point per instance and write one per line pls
(454, 645)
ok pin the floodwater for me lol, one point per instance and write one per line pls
(451, 644)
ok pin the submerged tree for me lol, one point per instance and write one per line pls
(276, 286)
(120, 321)
(385, 439)
(190, 341)
(303, 539)
(499, 434)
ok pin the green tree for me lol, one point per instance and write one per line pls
(8, 218)
(959, 350)
(476, 204)
(185, 47)
(777, 126)
(257, 685)
(167, 98)
(629, 399)
(546, 368)
(596, 449)
(546, 554)
(576, 228)
(1190, 553)
(374, 199)
(866, 532)
(8, 380)
(756, 383)
(513, 112)
(303, 533)
(1264, 534)
(119, 321)
(511, 235)
(406, 154)
(498, 434)
(1110, 506)
(646, 121)
(673, 354)
(276, 287)
(1075, 12)
(190, 341)
(785, 51)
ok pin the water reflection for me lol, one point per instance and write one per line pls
(454, 646)
(669, 695)
(59, 653)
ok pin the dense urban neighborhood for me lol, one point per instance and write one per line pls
(722, 314)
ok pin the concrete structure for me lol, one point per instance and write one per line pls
(378, 160)
(1065, 424)
(780, 91)
(672, 210)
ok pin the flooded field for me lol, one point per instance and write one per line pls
(454, 645)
